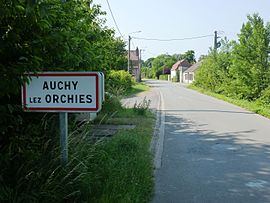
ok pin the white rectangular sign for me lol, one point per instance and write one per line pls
(63, 91)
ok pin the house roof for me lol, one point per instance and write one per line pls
(194, 67)
(183, 63)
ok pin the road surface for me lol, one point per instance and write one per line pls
(211, 151)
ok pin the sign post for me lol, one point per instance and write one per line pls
(63, 121)
(63, 92)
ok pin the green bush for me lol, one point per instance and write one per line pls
(163, 77)
(119, 80)
(265, 96)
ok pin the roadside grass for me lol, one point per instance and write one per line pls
(137, 88)
(121, 166)
(253, 106)
(127, 165)
(115, 169)
(107, 170)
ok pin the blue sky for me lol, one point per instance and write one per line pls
(180, 19)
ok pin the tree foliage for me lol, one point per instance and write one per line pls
(44, 35)
(54, 36)
(240, 69)
(250, 70)
(154, 67)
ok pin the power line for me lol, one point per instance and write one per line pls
(167, 40)
(114, 19)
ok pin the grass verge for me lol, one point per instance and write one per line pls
(137, 88)
(253, 106)
(116, 169)
(128, 164)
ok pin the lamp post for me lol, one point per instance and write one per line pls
(129, 39)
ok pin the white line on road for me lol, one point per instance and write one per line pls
(159, 147)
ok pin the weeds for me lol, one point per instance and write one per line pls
(142, 107)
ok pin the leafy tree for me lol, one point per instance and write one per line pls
(54, 36)
(44, 35)
(148, 62)
(178, 57)
(213, 72)
(250, 67)
(189, 56)
(210, 75)
(160, 62)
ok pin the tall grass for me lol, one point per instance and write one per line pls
(116, 169)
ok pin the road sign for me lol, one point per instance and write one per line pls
(63, 92)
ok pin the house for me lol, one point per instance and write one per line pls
(135, 64)
(190, 73)
(178, 69)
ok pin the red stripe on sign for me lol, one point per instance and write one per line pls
(24, 96)
(97, 99)
(62, 74)
(62, 109)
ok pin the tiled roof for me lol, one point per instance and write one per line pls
(183, 63)
(194, 67)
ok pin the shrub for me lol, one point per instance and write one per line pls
(163, 77)
(265, 96)
(119, 80)
(112, 103)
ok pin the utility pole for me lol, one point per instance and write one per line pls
(216, 43)
(129, 38)
(140, 65)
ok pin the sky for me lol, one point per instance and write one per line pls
(178, 19)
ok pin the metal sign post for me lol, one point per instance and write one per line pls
(63, 118)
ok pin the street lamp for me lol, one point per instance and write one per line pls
(129, 39)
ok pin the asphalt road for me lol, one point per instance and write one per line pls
(211, 151)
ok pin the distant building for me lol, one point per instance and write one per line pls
(178, 69)
(135, 64)
(189, 74)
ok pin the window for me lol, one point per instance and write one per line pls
(191, 76)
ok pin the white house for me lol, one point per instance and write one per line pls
(189, 74)
(178, 69)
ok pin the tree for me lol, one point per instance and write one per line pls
(189, 56)
(161, 61)
(213, 73)
(36, 36)
(148, 62)
(54, 36)
(250, 66)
